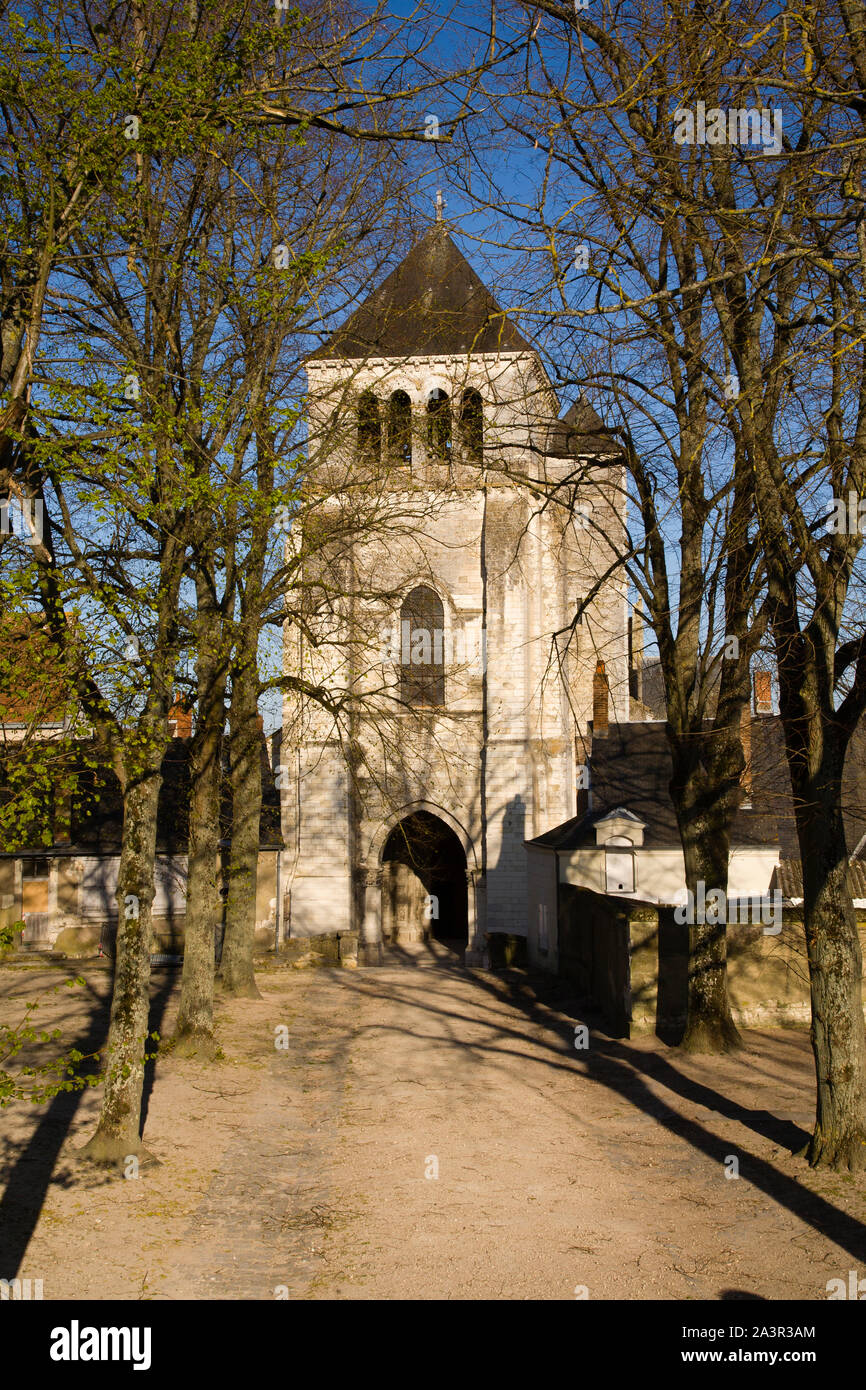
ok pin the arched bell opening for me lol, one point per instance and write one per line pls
(439, 425)
(472, 427)
(369, 427)
(400, 429)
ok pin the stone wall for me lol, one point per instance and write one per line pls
(631, 963)
(768, 976)
(81, 906)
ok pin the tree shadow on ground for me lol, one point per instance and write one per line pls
(32, 1172)
(626, 1070)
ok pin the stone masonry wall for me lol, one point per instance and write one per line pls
(503, 565)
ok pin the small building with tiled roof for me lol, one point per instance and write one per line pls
(608, 902)
(60, 877)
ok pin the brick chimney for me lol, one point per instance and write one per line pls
(635, 653)
(599, 702)
(179, 720)
(763, 692)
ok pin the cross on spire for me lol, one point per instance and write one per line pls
(439, 204)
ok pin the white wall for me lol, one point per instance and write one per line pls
(660, 874)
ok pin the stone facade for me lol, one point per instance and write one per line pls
(508, 539)
(72, 907)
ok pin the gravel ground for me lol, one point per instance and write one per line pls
(426, 1132)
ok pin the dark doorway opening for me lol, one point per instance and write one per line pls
(424, 883)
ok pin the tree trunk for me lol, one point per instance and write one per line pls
(710, 1027)
(836, 982)
(118, 1131)
(236, 968)
(194, 1035)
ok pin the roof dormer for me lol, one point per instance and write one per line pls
(620, 825)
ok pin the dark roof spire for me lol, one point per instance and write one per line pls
(432, 305)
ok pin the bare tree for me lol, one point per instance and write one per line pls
(713, 228)
(626, 315)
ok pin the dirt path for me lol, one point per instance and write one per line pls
(426, 1132)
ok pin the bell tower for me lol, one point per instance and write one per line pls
(461, 521)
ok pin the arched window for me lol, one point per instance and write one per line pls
(422, 648)
(472, 426)
(369, 427)
(439, 424)
(400, 428)
(619, 865)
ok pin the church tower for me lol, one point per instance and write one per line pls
(450, 526)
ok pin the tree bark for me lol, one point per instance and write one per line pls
(194, 1031)
(705, 836)
(838, 1032)
(117, 1134)
(236, 968)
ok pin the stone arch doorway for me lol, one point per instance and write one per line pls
(424, 883)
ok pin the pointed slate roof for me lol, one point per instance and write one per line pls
(581, 431)
(432, 305)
